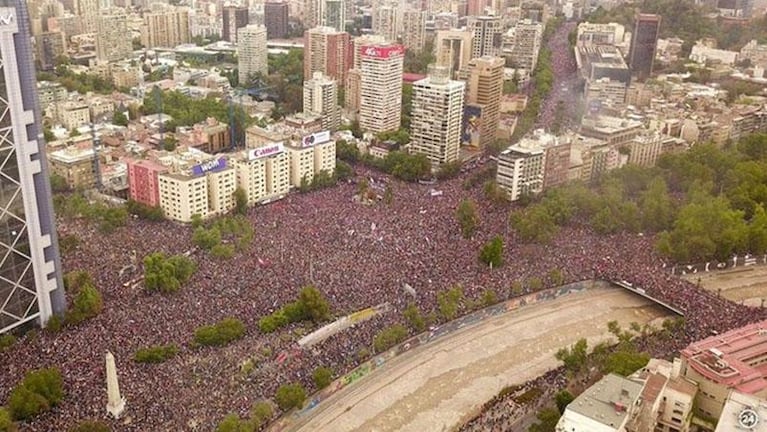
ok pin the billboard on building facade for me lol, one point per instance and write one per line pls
(472, 122)
(315, 138)
(384, 52)
(212, 165)
(269, 150)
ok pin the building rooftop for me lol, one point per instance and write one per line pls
(733, 359)
(607, 401)
(743, 412)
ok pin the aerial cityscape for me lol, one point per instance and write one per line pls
(383, 215)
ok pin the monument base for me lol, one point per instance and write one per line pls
(116, 410)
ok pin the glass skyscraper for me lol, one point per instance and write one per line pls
(31, 287)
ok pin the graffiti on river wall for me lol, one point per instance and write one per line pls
(736, 261)
(424, 338)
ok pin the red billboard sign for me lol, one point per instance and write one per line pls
(382, 51)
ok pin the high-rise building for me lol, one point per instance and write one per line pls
(352, 92)
(643, 43)
(386, 22)
(31, 287)
(88, 11)
(361, 41)
(381, 87)
(327, 50)
(276, 19)
(475, 7)
(251, 52)
(485, 85)
(314, 10)
(50, 45)
(487, 34)
(335, 14)
(111, 42)
(520, 171)
(414, 29)
(165, 26)
(233, 18)
(453, 49)
(436, 117)
(527, 43)
(321, 98)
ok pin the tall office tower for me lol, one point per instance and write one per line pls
(487, 34)
(643, 43)
(352, 92)
(485, 89)
(321, 98)
(276, 19)
(386, 22)
(313, 13)
(475, 7)
(527, 43)
(233, 18)
(335, 14)
(381, 87)
(453, 49)
(165, 26)
(31, 287)
(251, 52)
(327, 50)
(49, 45)
(361, 41)
(88, 11)
(414, 29)
(436, 117)
(111, 42)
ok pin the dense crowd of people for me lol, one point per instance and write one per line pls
(358, 255)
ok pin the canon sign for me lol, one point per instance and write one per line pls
(269, 150)
(382, 51)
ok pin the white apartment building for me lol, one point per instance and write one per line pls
(520, 171)
(436, 117)
(263, 173)
(413, 29)
(527, 44)
(453, 48)
(314, 154)
(251, 52)
(74, 114)
(196, 184)
(386, 21)
(321, 98)
(381, 87)
(486, 32)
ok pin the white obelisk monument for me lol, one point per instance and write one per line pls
(116, 403)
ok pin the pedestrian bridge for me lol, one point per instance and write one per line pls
(641, 292)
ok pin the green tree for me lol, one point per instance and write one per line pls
(556, 277)
(86, 304)
(261, 412)
(322, 377)
(6, 341)
(574, 357)
(449, 170)
(206, 238)
(233, 423)
(315, 305)
(547, 421)
(221, 333)
(166, 274)
(120, 118)
(155, 354)
(389, 337)
(467, 217)
(347, 151)
(489, 298)
(39, 391)
(414, 318)
(58, 183)
(290, 396)
(757, 231)
(656, 206)
(6, 421)
(492, 252)
(534, 224)
(563, 399)
(625, 362)
(91, 426)
(241, 201)
(449, 302)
